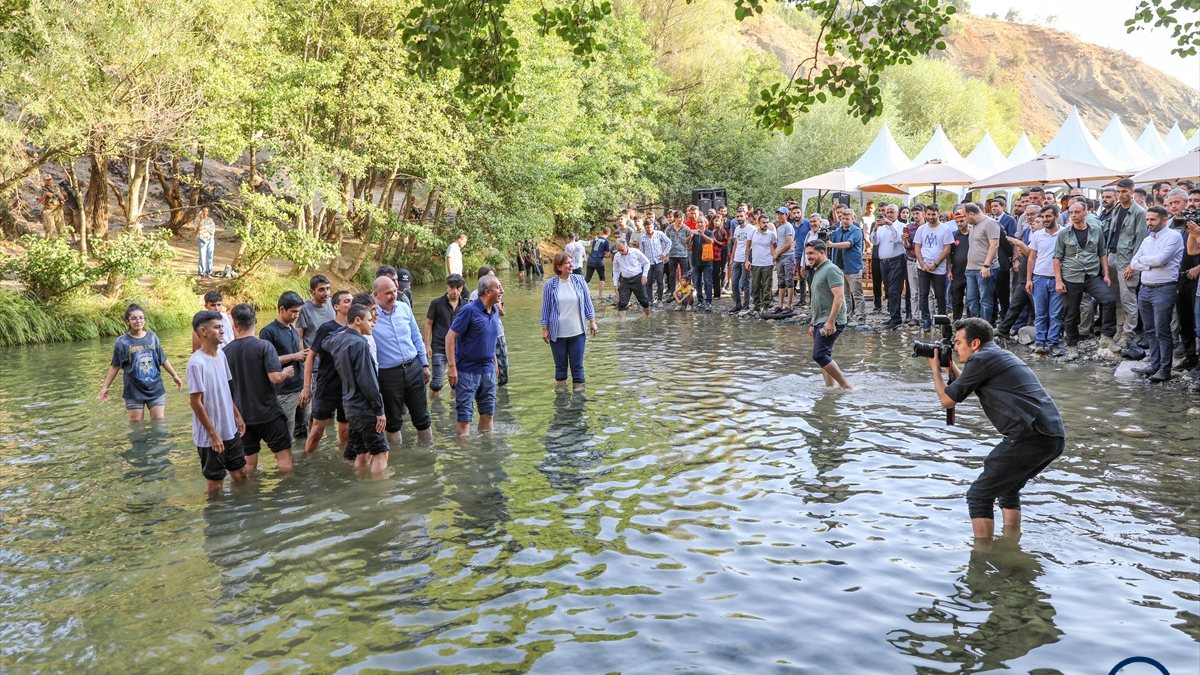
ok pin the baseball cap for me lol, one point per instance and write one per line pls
(403, 280)
(783, 209)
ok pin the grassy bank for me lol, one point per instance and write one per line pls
(170, 302)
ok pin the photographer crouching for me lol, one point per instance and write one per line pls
(1015, 402)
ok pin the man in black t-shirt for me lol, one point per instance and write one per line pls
(958, 263)
(254, 367)
(324, 389)
(437, 323)
(1020, 409)
(282, 335)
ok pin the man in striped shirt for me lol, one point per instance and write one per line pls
(655, 246)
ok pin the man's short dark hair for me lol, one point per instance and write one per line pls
(1162, 212)
(1160, 184)
(385, 271)
(456, 281)
(290, 300)
(364, 299)
(1125, 183)
(202, 317)
(816, 245)
(972, 208)
(975, 328)
(1036, 188)
(999, 198)
(1049, 207)
(1194, 191)
(337, 297)
(317, 280)
(357, 310)
(484, 271)
(1108, 190)
(243, 316)
(212, 296)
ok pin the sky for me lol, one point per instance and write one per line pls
(1102, 22)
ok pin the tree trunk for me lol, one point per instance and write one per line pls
(252, 172)
(139, 186)
(116, 281)
(363, 250)
(95, 206)
(172, 195)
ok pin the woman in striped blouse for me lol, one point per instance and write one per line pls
(566, 311)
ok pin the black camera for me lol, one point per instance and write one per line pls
(1191, 214)
(823, 233)
(943, 349)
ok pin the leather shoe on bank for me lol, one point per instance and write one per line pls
(1161, 376)
(1189, 362)
(1144, 370)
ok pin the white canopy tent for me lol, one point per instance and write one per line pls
(938, 148)
(1074, 142)
(884, 156)
(1152, 143)
(987, 158)
(1194, 143)
(1022, 152)
(1117, 140)
(1175, 139)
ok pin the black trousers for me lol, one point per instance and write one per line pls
(1008, 468)
(877, 282)
(655, 277)
(1003, 279)
(1019, 305)
(1095, 287)
(675, 267)
(1186, 307)
(894, 272)
(958, 293)
(403, 387)
(627, 286)
(718, 277)
(926, 282)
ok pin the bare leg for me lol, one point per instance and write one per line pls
(251, 464)
(362, 460)
(379, 462)
(283, 460)
(621, 315)
(343, 433)
(462, 428)
(1012, 522)
(828, 379)
(158, 412)
(425, 434)
(316, 429)
(983, 528)
(833, 371)
(240, 475)
(393, 437)
(485, 423)
(646, 310)
(136, 414)
(214, 485)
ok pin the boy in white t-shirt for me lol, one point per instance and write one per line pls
(216, 421)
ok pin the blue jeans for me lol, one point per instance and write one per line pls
(703, 281)
(204, 262)
(438, 367)
(1155, 305)
(741, 285)
(568, 354)
(475, 388)
(1047, 311)
(981, 294)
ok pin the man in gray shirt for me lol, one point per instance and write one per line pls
(981, 262)
(317, 311)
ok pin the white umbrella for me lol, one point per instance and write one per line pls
(838, 180)
(935, 172)
(1045, 169)
(1177, 168)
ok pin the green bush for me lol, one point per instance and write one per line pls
(50, 267)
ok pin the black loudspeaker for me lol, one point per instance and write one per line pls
(708, 198)
(842, 198)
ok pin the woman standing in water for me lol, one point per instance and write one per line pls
(566, 309)
(139, 353)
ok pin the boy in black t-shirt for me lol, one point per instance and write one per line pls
(256, 371)
(321, 383)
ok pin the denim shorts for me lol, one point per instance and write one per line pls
(133, 404)
(475, 388)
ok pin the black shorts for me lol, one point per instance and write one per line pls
(274, 433)
(214, 465)
(822, 351)
(364, 440)
(403, 387)
(598, 269)
(520, 264)
(325, 410)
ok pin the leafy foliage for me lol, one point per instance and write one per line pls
(49, 268)
(260, 229)
(1166, 14)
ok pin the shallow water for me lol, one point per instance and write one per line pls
(705, 505)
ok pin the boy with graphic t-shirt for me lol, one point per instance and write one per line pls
(216, 421)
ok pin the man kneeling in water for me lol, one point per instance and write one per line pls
(1021, 410)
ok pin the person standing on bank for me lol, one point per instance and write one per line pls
(283, 337)
(631, 271)
(1081, 265)
(760, 262)
(454, 255)
(366, 445)
(403, 363)
(206, 243)
(982, 263)
(255, 371)
(1158, 259)
(889, 245)
(471, 356)
(217, 424)
(1020, 409)
(139, 353)
(566, 309)
(655, 246)
(828, 291)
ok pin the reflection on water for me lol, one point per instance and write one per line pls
(705, 504)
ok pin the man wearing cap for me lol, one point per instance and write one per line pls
(404, 286)
(785, 259)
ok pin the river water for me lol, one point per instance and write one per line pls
(705, 505)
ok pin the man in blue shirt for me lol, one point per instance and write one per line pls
(403, 364)
(846, 249)
(471, 356)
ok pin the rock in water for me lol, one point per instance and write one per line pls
(1124, 370)
(1134, 432)
(1025, 335)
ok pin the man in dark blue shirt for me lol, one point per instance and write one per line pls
(361, 397)
(281, 333)
(1021, 410)
(471, 355)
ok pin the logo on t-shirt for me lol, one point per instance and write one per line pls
(144, 367)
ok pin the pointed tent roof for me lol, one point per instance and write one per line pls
(1175, 139)
(1116, 139)
(1074, 142)
(940, 147)
(1192, 144)
(1022, 152)
(1152, 143)
(986, 157)
(883, 157)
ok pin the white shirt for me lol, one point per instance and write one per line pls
(570, 311)
(933, 241)
(1043, 242)
(454, 253)
(1159, 257)
(576, 250)
(632, 263)
(740, 236)
(209, 375)
(886, 239)
(760, 248)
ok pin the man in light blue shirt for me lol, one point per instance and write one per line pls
(403, 365)
(846, 251)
